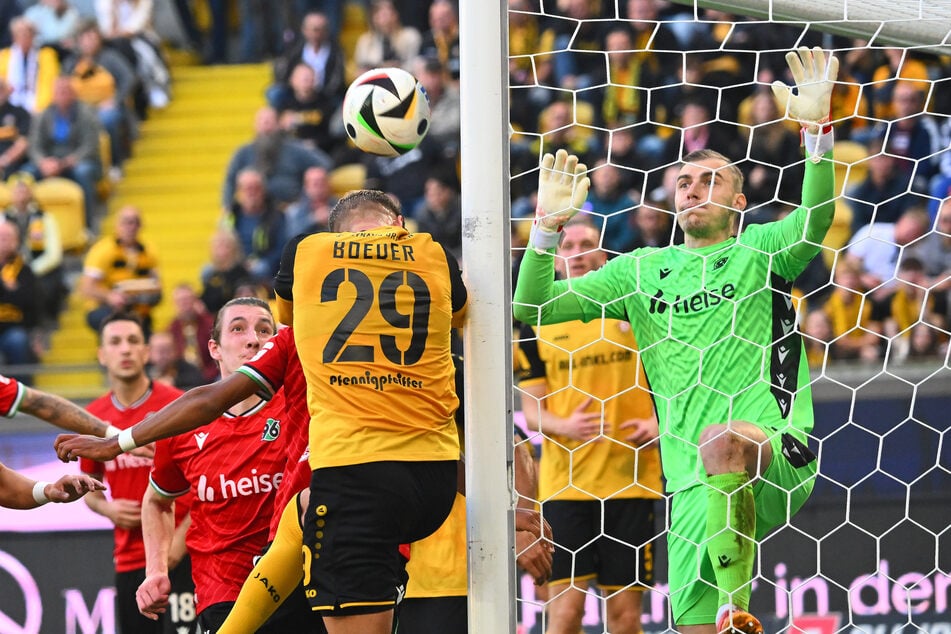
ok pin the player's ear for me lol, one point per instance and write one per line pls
(739, 201)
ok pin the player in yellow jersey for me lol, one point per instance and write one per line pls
(372, 307)
(584, 389)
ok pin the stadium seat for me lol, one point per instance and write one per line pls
(850, 170)
(347, 178)
(64, 199)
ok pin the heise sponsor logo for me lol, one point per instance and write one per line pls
(698, 302)
(255, 484)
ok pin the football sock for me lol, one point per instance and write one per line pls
(731, 527)
(272, 579)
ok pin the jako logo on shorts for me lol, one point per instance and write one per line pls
(241, 487)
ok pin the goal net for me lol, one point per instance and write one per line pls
(630, 86)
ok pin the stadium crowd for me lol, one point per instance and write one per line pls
(629, 87)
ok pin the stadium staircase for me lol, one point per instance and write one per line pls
(175, 177)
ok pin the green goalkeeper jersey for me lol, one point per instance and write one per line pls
(715, 325)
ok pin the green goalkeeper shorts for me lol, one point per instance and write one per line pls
(781, 492)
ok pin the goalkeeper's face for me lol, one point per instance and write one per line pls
(707, 199)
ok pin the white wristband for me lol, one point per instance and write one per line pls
(818, 144)
(542, 239)
(111, 431)
(126, 441)
(39, 492)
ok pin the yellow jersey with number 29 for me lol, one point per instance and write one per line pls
(372, 315)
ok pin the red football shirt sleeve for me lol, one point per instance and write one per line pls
(167, 477)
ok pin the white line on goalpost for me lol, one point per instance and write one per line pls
(488, 338)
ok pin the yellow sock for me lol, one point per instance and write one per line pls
(274, 577)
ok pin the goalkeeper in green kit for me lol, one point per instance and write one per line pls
(715, 325)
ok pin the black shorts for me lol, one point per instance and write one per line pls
(433, 615)
(357, 517)
(616, 556)
(180, 616)
(127, 610)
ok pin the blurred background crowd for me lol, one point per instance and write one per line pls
(630, 86)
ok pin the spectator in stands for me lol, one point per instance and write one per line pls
(441, 41)
(29, 70)
(911, 304)
(64, 141)
(225, 270)
(387, 42)
(305, 113)
(167, 366)
(775, 171)
(19, 303)
(259, 223)
(56, 22)
(578, 37)
(404, 177)
(532, 73)
(883, 195)
(103, 79)
(913, 135)
(632, 67)
(259, 29)
(654, 227)
(127, 25)
(855, 335)
(879, 246)
(310, 212)
(817, 335)
(899, 65)
(120, 273)
(440, 213)
(446, 120)
(281, 160)
(318, 48)
(190, 330)
(14, 133)
(702, 129)
(612, 207)
(934, 250)
(41, 245)
(559, 126)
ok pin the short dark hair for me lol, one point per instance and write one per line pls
(121, 315)
(239, 301)
(361, 202)
(730, 168)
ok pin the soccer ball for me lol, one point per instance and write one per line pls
(386, 112)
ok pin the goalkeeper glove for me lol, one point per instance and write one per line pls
(812, 101)
(562, 189)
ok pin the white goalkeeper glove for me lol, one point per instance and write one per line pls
(562, 189)
(811, 104)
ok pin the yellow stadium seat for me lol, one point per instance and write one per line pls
(347, 178)
(63, 199)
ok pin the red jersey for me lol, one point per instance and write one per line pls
(12, 392)
(128, 476)
(234, 466)
(277, 365)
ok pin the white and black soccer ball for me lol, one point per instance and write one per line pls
(386, 112)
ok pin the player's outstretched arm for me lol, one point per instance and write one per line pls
(814, 72)
(20, 492)
(58, 411)
(196, 407)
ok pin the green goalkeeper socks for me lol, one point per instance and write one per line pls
(731, 527)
